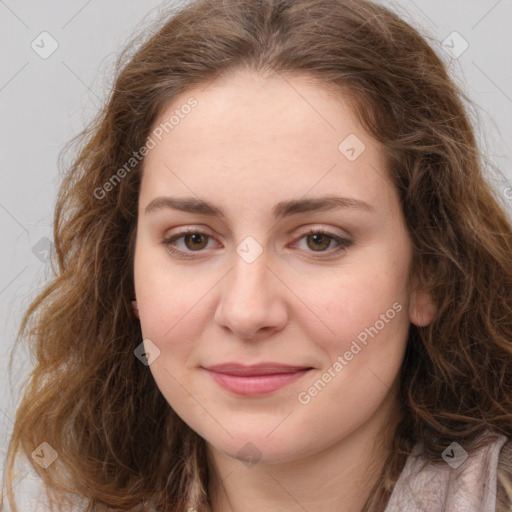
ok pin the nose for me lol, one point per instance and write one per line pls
(252, 300)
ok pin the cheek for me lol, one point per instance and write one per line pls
(169, 303)
(164, 293)
(365, 307)
(172, 317)
(357, 299)
(361, 360)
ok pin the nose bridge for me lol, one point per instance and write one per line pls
(250, 277)
(250, 280)
(250, 297)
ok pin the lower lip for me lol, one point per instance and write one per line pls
(256, 384)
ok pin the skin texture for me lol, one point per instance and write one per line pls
(250, 143)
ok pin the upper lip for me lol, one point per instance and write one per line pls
(255, 369)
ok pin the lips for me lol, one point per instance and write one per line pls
(257, 369)
(258, 379)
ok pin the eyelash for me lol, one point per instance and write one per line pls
(344, 243)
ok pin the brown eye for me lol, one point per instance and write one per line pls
(187, 242)
(317, 241)
(320, 241)
(195, 241)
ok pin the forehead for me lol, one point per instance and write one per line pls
(268, 136)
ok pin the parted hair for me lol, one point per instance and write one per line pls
(120, 445)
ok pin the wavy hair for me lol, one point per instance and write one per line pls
(120, 445)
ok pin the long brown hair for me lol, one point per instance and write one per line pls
(120, 445)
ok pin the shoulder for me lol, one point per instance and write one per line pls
(465, 482)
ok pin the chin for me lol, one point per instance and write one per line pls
(254, 449)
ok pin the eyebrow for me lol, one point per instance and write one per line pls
(280, 210)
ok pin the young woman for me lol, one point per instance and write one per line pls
(283, 281)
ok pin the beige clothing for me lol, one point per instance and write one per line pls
(442, 487)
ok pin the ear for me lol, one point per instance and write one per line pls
(422, 309)
(135, 308)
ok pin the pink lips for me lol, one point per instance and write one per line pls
(256, 379)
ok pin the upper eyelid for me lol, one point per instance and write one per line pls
(303, 232)
(183, 230)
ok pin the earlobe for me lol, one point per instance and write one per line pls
(422, 309)
(135, 308)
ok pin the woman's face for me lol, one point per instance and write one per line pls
(268, 173)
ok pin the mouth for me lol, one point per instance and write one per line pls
(250, 381)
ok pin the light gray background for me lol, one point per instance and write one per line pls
(45, 102)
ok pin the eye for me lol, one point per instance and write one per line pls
(316, 239)
(319, 240)
(194, 242)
